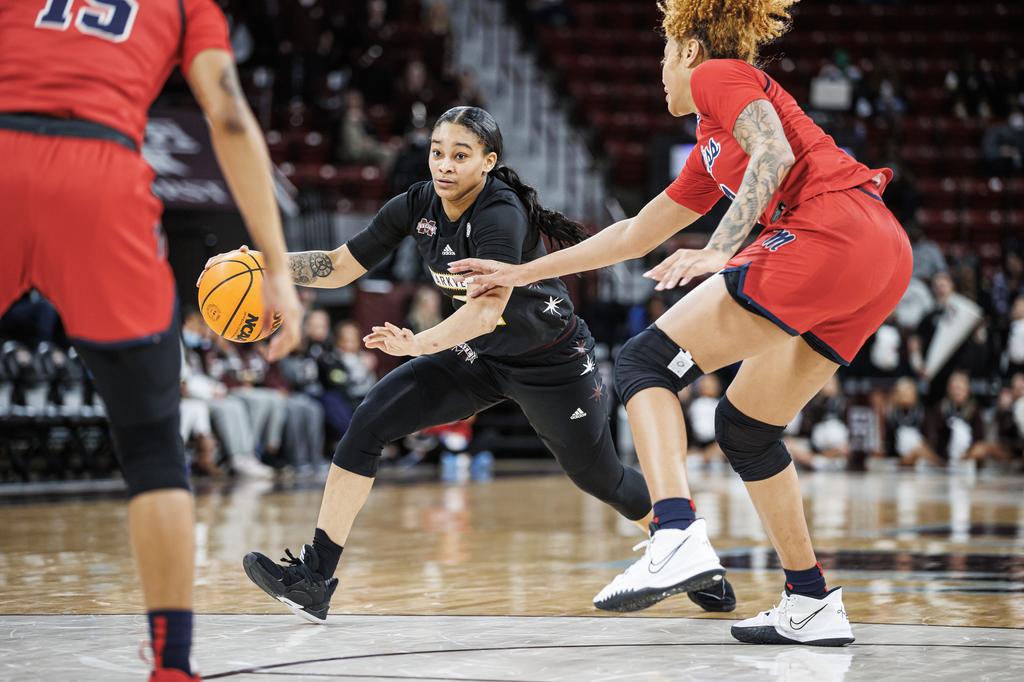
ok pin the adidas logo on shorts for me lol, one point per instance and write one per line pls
(448, 250)
(578, 414)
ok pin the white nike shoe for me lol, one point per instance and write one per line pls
(675, 561)
(799, 620)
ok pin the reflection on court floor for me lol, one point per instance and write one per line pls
(493, 581)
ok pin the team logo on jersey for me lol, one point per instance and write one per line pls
(448, 250)
(469, 228)
(427, 227)
(709, 153)
(779, 239)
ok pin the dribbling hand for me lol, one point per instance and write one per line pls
(684, 265)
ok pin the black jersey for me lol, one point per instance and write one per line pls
(494, 227)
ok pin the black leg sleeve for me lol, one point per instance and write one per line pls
(426, 391)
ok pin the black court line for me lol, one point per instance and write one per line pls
(710, 619)
(392, 654)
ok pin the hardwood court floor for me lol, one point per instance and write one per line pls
(911, 549)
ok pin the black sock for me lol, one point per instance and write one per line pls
(674, 512)
(170, 634)
(809, 582)
(328, 552)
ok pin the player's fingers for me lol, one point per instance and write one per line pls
(481, 289)
(393, 329)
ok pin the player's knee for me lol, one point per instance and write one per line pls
(152, 455)
(618, 486)
(754, 448)
(652, 360)
(360, 447)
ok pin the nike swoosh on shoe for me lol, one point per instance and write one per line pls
(661, 564)
(799, 625)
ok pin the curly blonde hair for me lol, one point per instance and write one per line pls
(728, 29)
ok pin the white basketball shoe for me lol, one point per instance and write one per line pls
(799, 620)
(675, 561)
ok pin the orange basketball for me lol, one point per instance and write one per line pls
(231, 298)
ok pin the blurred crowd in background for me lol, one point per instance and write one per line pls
(347, 92)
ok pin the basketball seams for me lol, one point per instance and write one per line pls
(241, 300)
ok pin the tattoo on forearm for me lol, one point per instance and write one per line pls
(309, 266)
(230, 86)
(759, 132)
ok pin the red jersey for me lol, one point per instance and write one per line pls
(721, 89)
(100, 60)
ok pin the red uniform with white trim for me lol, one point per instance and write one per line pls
(832, 261)
(81, 224)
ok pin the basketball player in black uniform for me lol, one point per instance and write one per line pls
(524, 344)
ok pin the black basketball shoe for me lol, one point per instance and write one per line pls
(719, 598)
(294, 582)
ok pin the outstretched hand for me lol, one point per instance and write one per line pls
(480, 275)
(393, 340)
(685, 264)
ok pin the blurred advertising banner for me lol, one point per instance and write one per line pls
(177, 147)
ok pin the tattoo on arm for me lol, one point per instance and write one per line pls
(230, 86)
(758, 131)
(309, 266)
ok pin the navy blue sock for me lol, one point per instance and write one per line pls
(809, 582)
(674, 512)
(170, 633)
(328, 552)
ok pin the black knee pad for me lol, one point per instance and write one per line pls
(652, 360)
(755, 449)
(152, 455)
(359, 449)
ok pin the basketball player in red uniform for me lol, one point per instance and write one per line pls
(829, 266)
(81, 225)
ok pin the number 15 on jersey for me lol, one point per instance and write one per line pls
(108, 19)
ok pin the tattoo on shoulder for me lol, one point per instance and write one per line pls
(309, 266)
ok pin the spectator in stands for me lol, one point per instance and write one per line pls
(347, 373)
(228, 415)
(928, 258)
(417, 87)
(1010, 418)
(358, 141)
(424, 310)
(316, 334)
(700, 421)
(437, 26)
(823, 423)
(938, 325)
(905, 427)
(1002, 146)
(246, 371)
(1013, 362)
(196, 429)
(954, 427)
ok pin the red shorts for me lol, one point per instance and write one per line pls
(83, 228)
(832, 270)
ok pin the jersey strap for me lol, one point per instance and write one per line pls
(50, 126)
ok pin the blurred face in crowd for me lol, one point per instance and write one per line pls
(942, 287)
(904, 394)
(348, 340)
(458, 162)
(959, 388)
(1017, 385)
(317, 326)
(1017, 311)
(677, 65)
(710, 386)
